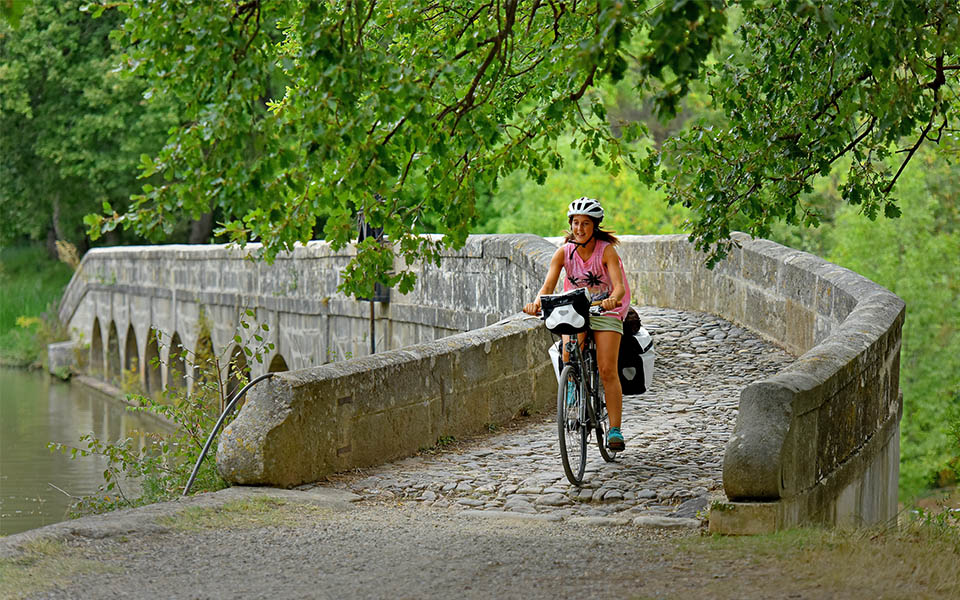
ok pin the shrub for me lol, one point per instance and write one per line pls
(164, 465)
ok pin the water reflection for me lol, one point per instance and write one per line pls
(35, 410)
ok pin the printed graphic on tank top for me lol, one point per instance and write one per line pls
(592, 274)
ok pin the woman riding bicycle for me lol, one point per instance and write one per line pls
(589, 259)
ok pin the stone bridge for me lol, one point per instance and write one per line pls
(816, 443)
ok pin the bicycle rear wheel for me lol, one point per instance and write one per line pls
(603, 424)
(572, 430)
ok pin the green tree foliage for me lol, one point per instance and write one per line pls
(521, 205)
(218, 62)
(12, 10)
(429, 107)
(71, 127)
(425, 106)
(813, 83)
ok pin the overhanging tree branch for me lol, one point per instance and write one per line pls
(912, 150)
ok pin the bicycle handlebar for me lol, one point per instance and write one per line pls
(593, 305)
(597, 311)
(596, 302)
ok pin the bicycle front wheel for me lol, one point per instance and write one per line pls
(571, 427)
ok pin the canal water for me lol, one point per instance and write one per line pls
(36, 409)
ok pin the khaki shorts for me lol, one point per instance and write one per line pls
(606, 323)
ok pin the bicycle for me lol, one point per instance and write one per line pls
(581, 407)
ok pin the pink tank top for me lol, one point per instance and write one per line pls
(592, 274)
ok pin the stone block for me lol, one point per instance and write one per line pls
(753, 458)
(61, 358)
(743, 518)
(678, 290)
(798, 279)
(649, 288)
(846, 511)
(799, 328)
(732, 265)
(386, 435)
(799, 471)
(764, 312)
(760, 269)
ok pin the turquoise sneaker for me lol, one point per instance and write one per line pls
(571, 394)
(615, 440)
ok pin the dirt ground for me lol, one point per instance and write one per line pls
(249, 543)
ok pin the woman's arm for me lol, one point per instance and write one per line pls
(549, 284)
(611, 260)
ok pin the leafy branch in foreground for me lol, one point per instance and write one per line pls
(812, 84)
(430, 107)
(427, 106)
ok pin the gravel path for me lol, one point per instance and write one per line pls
(372, 552)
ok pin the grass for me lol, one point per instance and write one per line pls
(917, 560)
(43, 565)
(32, 285)
(245, 513)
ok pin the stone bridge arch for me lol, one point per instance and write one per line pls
(114, 361)
(277, 364)
(176, 364)
(203, 361)
(131, 354)
(152, 374)
(97, 362)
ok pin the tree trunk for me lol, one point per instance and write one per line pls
(201, 230)
(51, 243)
(54, 233)
(57, 230)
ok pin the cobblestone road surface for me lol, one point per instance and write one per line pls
(675, 436)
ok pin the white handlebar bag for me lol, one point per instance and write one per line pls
(567, 313)
(556, 359)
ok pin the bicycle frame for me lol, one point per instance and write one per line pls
(584, 361)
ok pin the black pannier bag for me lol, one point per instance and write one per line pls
(631, 323)
(567, 313)
(635, 363)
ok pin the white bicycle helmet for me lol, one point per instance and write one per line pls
(585, 206)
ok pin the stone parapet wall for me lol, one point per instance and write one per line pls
(302, 425)
(819, 442)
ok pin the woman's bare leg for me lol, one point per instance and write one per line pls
(608, 351)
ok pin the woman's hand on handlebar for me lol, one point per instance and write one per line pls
(533, 308)
(609, 303)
